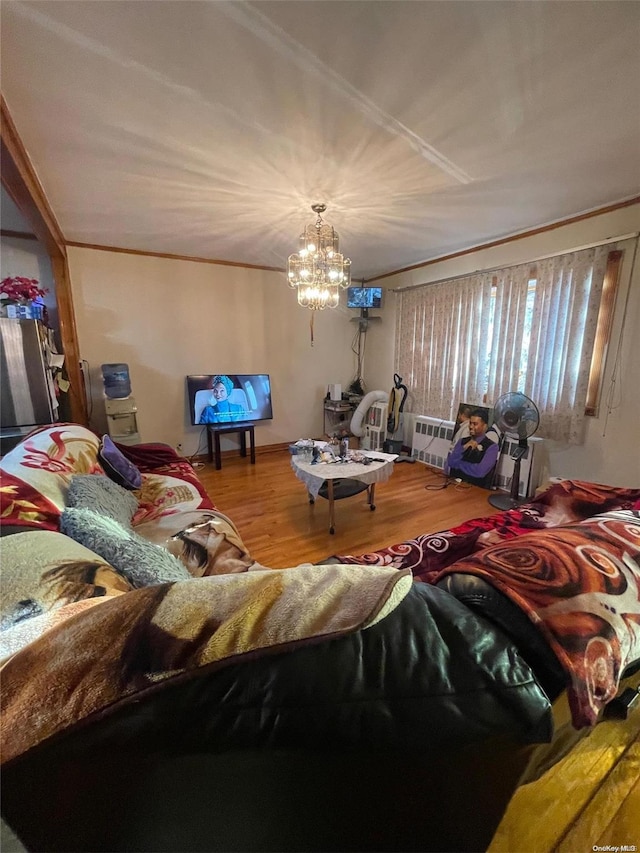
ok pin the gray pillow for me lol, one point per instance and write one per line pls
(140, 561)
(101, 494)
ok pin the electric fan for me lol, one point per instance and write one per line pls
(515, 414)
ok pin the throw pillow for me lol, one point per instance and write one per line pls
(43, 570)
(117, 466)
(99, 493)
(140, 561)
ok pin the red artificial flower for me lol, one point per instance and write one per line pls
(18, 287)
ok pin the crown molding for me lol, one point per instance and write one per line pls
(512, 238)
(193, 258)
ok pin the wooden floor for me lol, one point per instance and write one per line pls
(270, 508)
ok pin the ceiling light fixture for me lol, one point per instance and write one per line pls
(317, 269)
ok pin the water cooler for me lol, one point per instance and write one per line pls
(120, 406)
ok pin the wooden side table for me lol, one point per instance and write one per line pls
(214, 431)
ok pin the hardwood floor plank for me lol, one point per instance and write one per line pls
(279, 527)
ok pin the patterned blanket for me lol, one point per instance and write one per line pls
(174, 510)
(580, 583)
(562, 503)
(570, 560)
(79, 641)
(35, 477)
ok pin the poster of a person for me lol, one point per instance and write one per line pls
(461, 428)
(474, 455)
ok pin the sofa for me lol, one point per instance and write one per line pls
(161, 690)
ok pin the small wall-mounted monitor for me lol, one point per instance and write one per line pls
(218, 398)
(364, 297)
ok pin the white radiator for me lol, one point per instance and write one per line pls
(432, 441)
(375, 427)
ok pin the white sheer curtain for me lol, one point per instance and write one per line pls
(563, 329)
(508, 342)
(441, 343)
(448, 350)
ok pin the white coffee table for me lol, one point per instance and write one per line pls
(338, 480)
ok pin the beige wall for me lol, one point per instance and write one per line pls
(610, 453)
(168, 318)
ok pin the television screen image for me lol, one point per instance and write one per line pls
(222, 398)
(364, 297)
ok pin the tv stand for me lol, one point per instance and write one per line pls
(214, 431)
(362, 318)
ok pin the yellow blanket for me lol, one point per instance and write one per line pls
(580, 793)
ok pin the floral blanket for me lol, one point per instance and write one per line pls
(563, 502)
(578, 580)
(580, 584)
(570, 559)
(174, 510)
(35, 477)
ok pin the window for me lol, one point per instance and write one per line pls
(540, 329)
(526, 336)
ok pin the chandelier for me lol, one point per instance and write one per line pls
(317, 269)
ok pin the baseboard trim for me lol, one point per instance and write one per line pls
(226, 454)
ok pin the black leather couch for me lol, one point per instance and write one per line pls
(409, 735)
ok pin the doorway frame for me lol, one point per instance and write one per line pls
(21, 183)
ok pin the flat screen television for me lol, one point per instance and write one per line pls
(221, 398)
(364, 297)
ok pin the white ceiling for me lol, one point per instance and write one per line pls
(209, 128)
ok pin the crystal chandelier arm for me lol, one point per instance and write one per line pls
(318, 269)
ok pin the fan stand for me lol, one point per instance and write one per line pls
(513, 499)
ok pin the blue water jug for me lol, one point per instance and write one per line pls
(116, 380)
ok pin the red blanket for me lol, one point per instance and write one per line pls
(35, 475)
(580, 584)
(570, 559)
(562, 503)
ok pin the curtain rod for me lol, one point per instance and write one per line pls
(520, 264)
